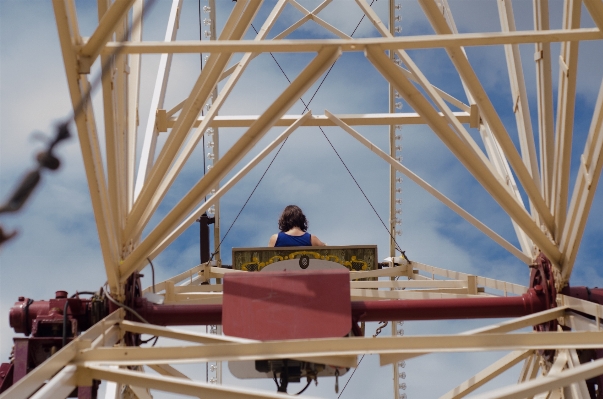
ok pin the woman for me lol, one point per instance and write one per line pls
(293, 225)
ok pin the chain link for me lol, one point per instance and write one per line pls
(382, 325)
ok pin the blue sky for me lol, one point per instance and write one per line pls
(57, 247)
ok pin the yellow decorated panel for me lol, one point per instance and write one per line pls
(354, 257)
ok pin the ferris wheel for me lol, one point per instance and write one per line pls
(167, 145)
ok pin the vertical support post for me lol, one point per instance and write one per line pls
(217, 367)
(392, 146)
(204, 222)
(216, 152)
(392, 185)
(472, 285)
(216, 205)
(170, 295)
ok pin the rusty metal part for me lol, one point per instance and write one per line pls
(542, 279)
(45, 318)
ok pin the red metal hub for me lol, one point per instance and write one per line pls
(45, 318)
(542, 280)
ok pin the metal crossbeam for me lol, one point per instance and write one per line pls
(356, 45)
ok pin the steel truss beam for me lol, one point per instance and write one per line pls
(566, 100)
(25, 387)
(340, 346)
(169, 237)
(493, 149)
(520, 97)
(591, 164)
(491, 117)
(235, 28)
(355, 45)
(188, 148)
(150, 136)
(546, 127)
(305, 79)
(487, 374)
(505, 327)
(69, 36)
(176, 385)
(85, 356)
(427, 187)
(470, 160)
(546, 383)
(407, 118)
(92, 47)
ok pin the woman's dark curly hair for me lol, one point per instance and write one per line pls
(292, 217)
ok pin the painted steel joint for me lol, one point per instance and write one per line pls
(45, 318)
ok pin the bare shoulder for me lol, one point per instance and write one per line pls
(272, 241)
(315, 241)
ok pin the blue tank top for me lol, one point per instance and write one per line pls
(285, 240)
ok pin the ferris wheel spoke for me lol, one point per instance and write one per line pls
(150, 136)
(169, 238)
(520, 97)
(133, 90)
(489, 114)
(566, 101)
(501, 165)
(292, 93)
(150, 195)
(114, 94)
(188, 148)
(420, 78)
(88, 137)
(589, 173)
(470, 160)
(544, 95)
(427, 187)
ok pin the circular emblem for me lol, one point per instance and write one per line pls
(304, 261)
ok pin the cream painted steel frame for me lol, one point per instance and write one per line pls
(122, 207)
(87, 357)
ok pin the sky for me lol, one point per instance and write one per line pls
(57, 246)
